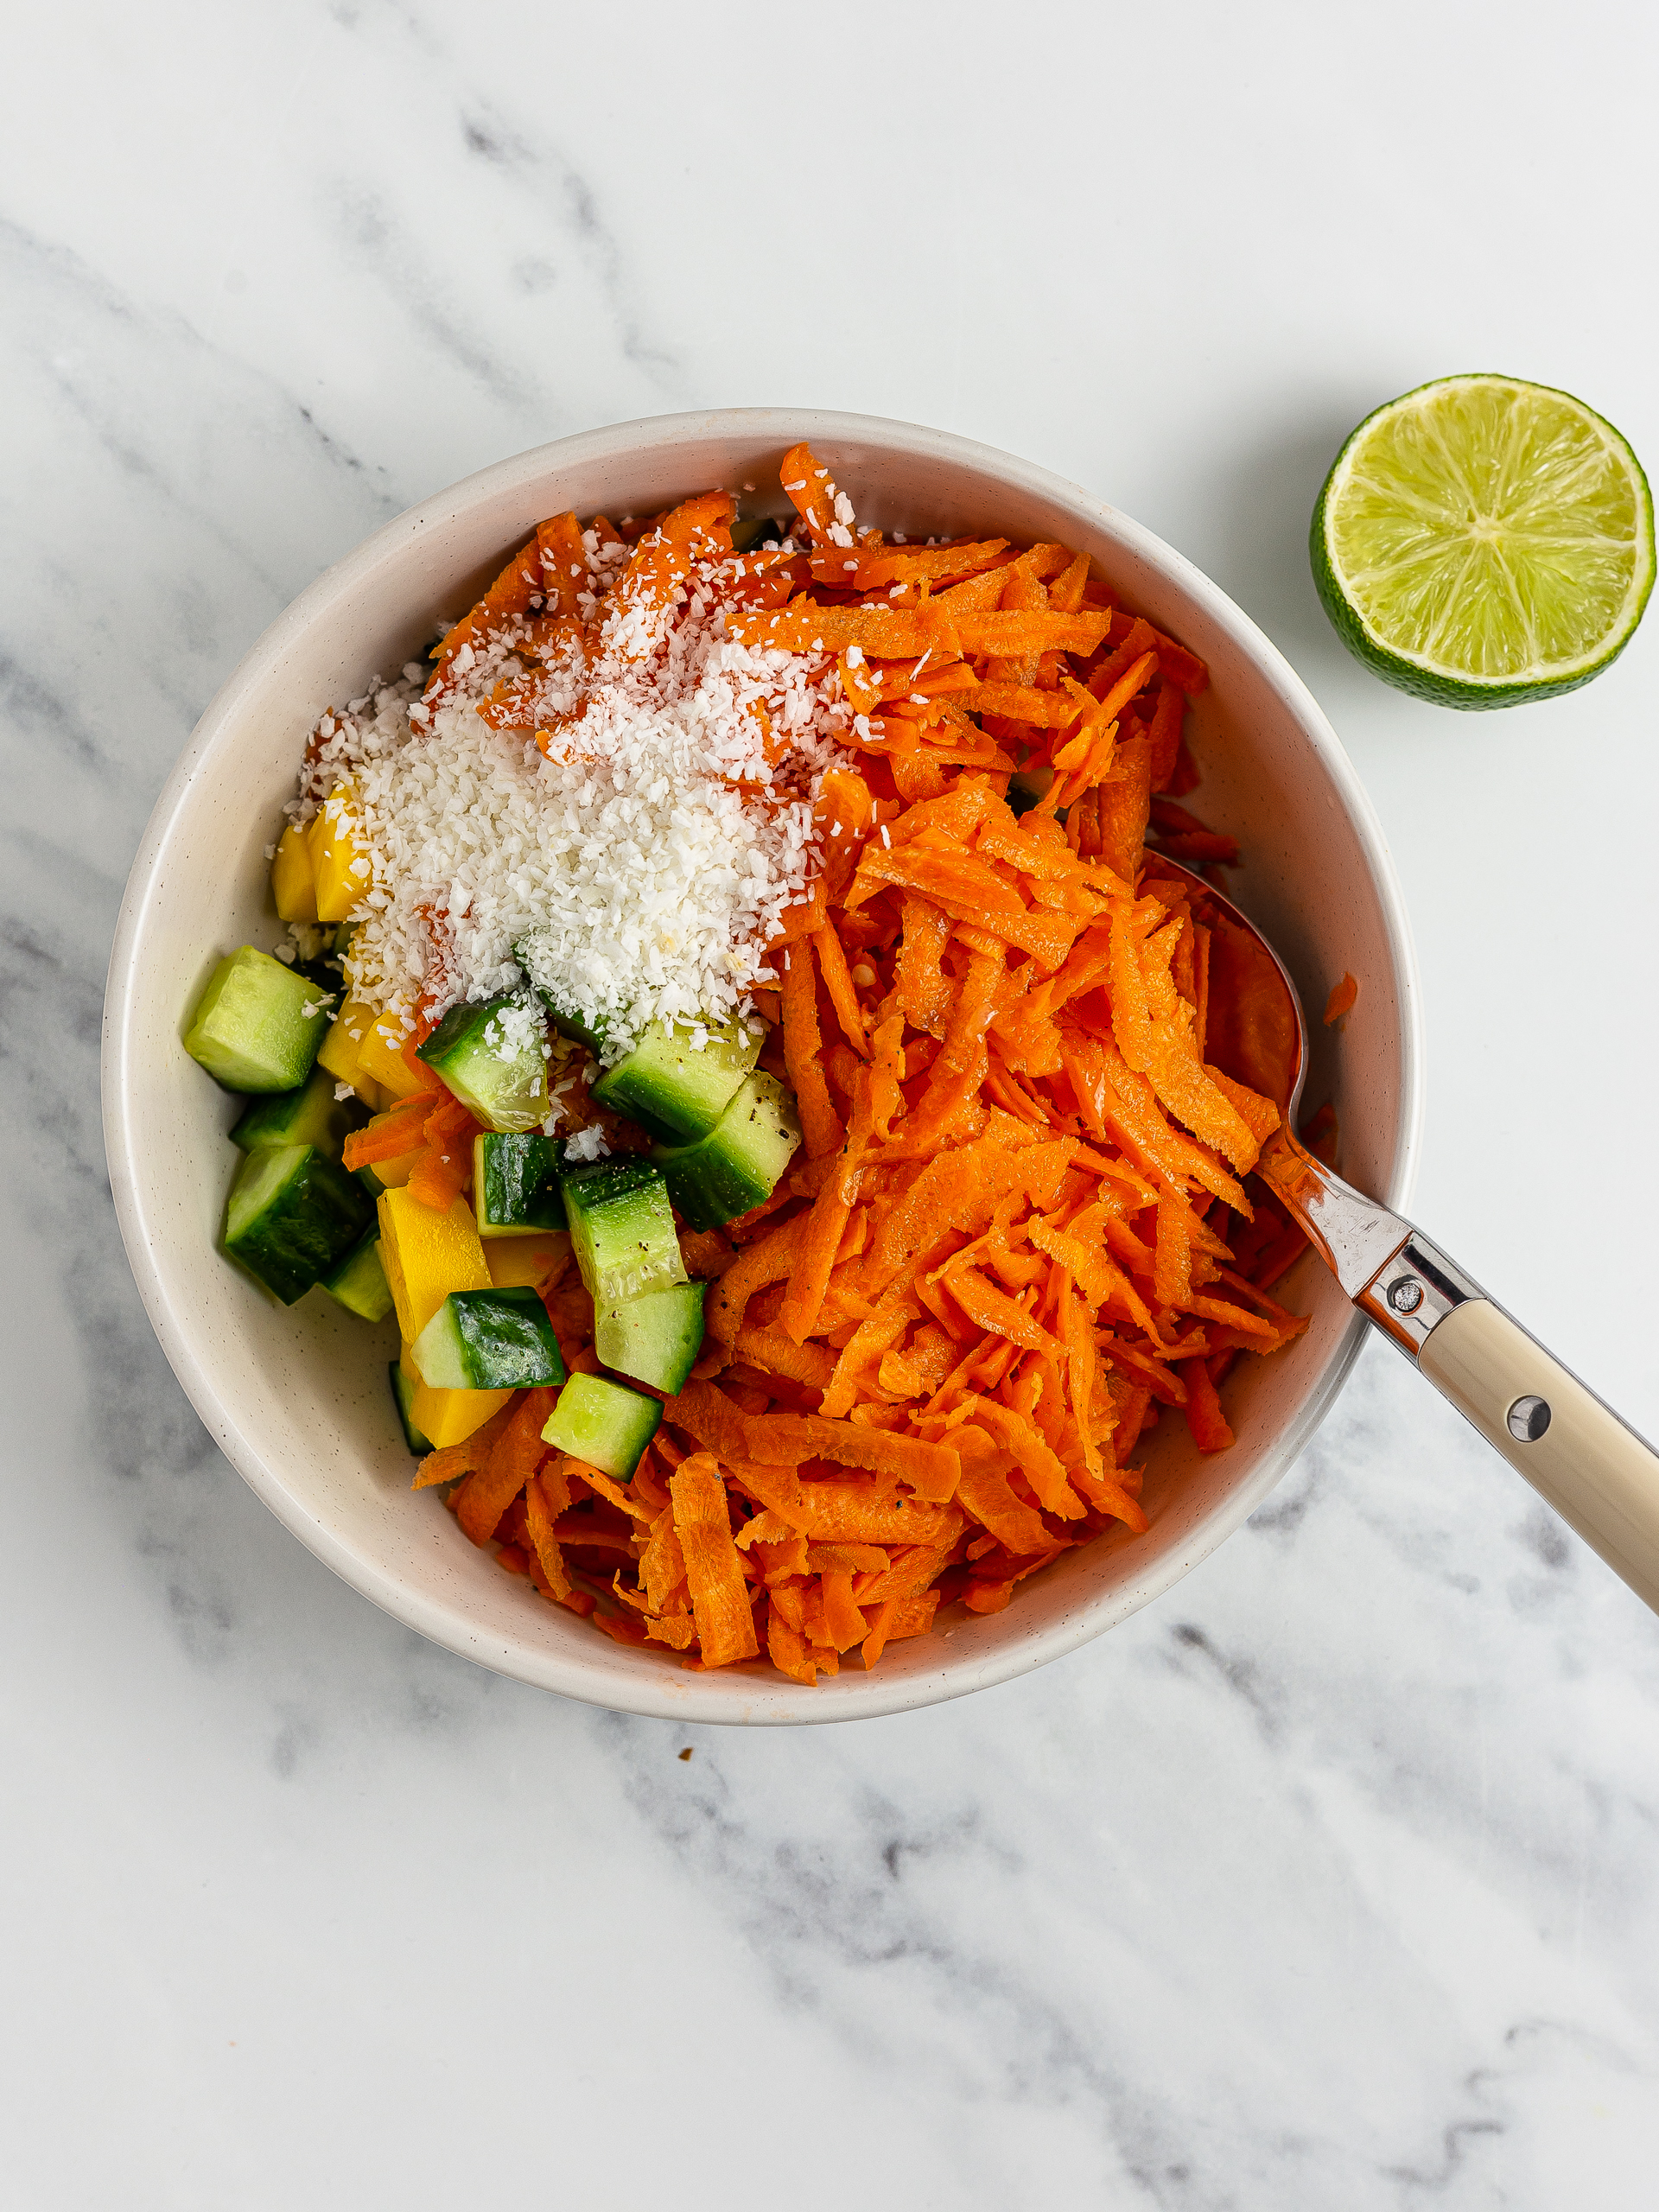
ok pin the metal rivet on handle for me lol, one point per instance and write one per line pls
(1405, 1295)
(1528, 1419)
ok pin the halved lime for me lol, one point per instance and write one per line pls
(1482, 542)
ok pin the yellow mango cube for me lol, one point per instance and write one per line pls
(343, 1047)
(391, 1174)
(339, 856)
(380, 1057)
(427, 1255)
(513, 1260)
(293, 882)
(394, 1173)
(449, 1416)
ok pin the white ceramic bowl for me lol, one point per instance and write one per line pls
(298, 1400)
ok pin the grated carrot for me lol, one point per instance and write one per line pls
(1033, 1070)
(719, 1601)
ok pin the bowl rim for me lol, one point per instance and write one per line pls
(684, 1697)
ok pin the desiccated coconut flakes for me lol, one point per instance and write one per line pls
(641, 869)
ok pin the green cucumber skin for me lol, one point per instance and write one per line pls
(603, 1422)
(403, 1396)
(737, 1165)
(567, 1023)
(709, 1188)
(309, 1115)
(653, 1339)
(676, 1094)
(359, 1283)
(489, 1340)
(515, 1183)
(621, 1228)
(750, 533)
(301, 1215)
(505, 1094)
(252, 1030)
(573, 1027)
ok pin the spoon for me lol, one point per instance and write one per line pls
(1596, 1473)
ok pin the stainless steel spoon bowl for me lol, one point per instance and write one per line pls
(1598, 1473)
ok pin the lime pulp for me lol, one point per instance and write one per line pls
(1483, 541)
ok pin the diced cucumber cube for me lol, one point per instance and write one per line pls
(604, 1423)
(293, 1215)
(360, 1281)
(621, 1228)
(310, 1114)
(257, 1025)
(564, 1019)
(675, 1092)
(494, 1059)
(737, 1165)
(403, 1396)
(488, 1340)
(749, 532)
(515, 1185)
(656, 1338)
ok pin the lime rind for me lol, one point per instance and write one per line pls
(1509, 562)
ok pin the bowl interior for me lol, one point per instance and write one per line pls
(298, 1400)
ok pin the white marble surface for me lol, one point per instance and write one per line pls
(1330, 1881)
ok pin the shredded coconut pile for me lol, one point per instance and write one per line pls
(640, 870)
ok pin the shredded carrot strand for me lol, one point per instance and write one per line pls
(803, 1055)
(1024, 1218)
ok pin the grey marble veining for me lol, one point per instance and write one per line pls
(1329, 1880)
